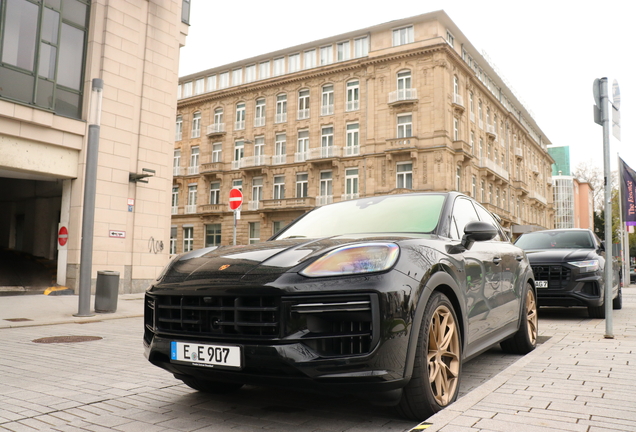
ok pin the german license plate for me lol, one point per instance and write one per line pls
(541, 284)
(206, 355)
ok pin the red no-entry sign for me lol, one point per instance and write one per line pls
(62, 236)
(236, 199)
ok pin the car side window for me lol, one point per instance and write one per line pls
(485, 216)
(463, 213)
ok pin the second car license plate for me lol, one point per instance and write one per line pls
(206, 355)
(541, 284)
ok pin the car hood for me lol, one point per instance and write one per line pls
(559, 255)
(267, 258)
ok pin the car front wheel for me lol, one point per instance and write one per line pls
(436, 372)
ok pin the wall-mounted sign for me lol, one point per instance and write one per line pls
(117, 234)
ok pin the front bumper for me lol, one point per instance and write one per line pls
(566, 286)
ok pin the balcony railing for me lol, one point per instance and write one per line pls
(191, 208)
(281, 117)
(409, 94)
(537, 196)
(324, 152)
(353, 105)
(305, 202)
(349, 196)
(253, 205)
(251, 161)
(519, 152)
(490, 130)
(351, 150)
(259, 121)
(326, 110)
(279, 159)
(193, 170)
(324, 199)
(458, 99)
(213, 208)
(239, 125)
(484, 162)
(216, 128)
(174, 210)
(301, 156)
(303, 114)
(177, 171)
(211, 167)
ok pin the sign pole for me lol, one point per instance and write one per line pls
(236, 200)
(234, 236)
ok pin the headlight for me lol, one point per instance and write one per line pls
(353, 259)
(586, 266)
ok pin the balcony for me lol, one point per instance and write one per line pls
(549, 181)
(461, 146)
(255, 161)
(349, 196)
(521, 186)
(326, 110)
(406, 143)
(215, 129)
(213, 208)
(191, 209)
(211, 167)
(239, 125)
(303, 114)
(324, 199)
(174, 210)
(177, 171)
(353, 105)
(281, 117)
(398, 97)
(193, 170)
(494, 168)
(304, 203)
(535, 169)
(538, 197)
(458, 103)
(324, 152)
(253, 205)
(279, 159)
(491, 132)
(519, 152)
(351, 151)
(259, 121)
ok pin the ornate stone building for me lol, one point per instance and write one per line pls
(404, 106)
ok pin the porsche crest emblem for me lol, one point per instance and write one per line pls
(224, 266)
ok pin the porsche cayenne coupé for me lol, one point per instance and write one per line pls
(382, 297)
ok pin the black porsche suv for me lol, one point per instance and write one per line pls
(569, 269)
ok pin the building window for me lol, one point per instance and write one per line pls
(211, 83)
(294, 62)
(173, 240)
(194, 161)
(471, 101)
(280, 151)
(490, 193)
(361, 47)
(279, 66)
(326, 55)
(199, 86)
(179, 129)
(188, 239)
(326, 141)
(404, 90)
(279, 187)
(303, 104)
(277, 226)
(302, 149)
(263, 70)
(281, 108)
(326, 188)
(237, 184)
(218, 116)
(212, 235)
(187, 89)
(404, 173)
(255, 232)
(404, 126)
(455, 129)
(196, 125)
(191, 207)
(353, 95)
(179, 91)
(353, 140)
(175, 199)
(474, 189)
(403, 36)
(259, 150)
(483, 191)
(224, 80)
(250, 73)
(301, 185)
(239, 147)
(309, 58)
(176, 162)
(257, 192)
(351, 184)
(458, 178)
(240, 116)
(215, 193)
(217, 155)
(450, 38)
(327, 100)
(343, 51)
(259, 113)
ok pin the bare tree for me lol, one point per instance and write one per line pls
(594, 175)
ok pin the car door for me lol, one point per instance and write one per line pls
(480, 273)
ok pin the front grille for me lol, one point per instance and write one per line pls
(251, 316)
(557, 276)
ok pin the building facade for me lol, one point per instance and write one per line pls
(51, 52)
(573, 203)
(405, 106)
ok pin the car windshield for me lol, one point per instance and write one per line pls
(394, 214)
(556, 240)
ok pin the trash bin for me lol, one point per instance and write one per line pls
(106, 291)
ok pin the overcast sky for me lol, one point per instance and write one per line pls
(549, 51)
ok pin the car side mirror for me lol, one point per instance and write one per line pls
(477, 231)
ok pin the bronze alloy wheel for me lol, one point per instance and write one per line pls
(531, 316)
(443, 355)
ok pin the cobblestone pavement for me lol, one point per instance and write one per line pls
(575, 381)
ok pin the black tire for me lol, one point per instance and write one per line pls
(617, 303)
(212, 387)
(596, 311)
(525, 339)
(434, 383)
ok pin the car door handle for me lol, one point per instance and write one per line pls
(519, 257)
(496, 260)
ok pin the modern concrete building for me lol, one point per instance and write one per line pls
(573, 203)
(409, 105)
(51, 52)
